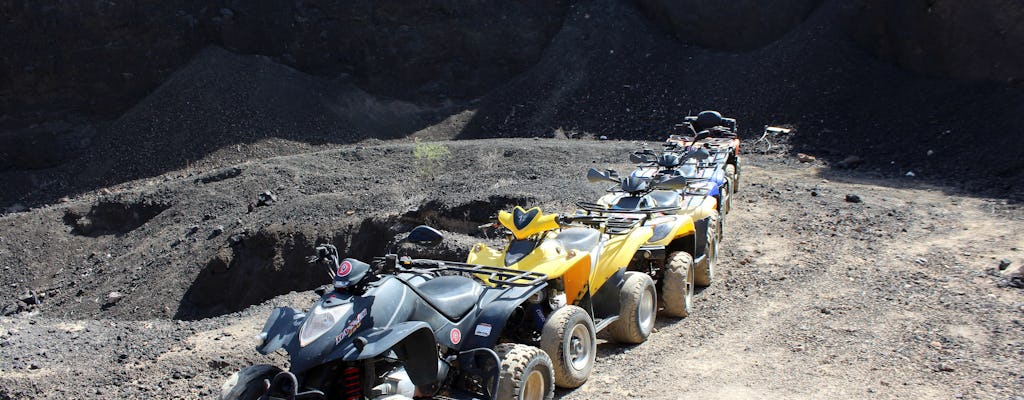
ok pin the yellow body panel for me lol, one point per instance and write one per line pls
(575, 268)
(616, 254)
(692, 208)
(682, 225)
(548, 258)
(538, 224)
(575, 280)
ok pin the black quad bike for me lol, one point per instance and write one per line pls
(402, 328)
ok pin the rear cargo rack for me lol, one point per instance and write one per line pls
(497, 275)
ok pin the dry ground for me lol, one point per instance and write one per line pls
(816, 297)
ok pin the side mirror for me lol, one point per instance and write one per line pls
(425, 235)
(673, 183)
(594, 175)
(637, 158)
(699, 154)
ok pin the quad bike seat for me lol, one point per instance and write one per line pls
(665, 198)
(453, 295)
(689, 171)
(707, 119)
(713, 121)
(583, 239)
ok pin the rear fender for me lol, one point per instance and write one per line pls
(494, 315)
(280, 328)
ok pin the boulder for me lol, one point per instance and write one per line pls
(728, 25)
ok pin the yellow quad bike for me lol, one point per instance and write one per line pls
(683, 251)
(589, 286)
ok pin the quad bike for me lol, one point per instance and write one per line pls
(589, 288)
(704, 170)
(719, 135)
(403, 328)
(683, 250)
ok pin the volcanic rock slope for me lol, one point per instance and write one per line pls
(611, 71)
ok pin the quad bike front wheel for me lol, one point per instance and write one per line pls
(733, 177)
(704, 273)
(637, 310)
(677, 285)
(526, 373)
(248, 383)
(570, 339)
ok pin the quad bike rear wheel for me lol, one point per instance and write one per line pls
(526, 373)
(704, 273)
(248, 383)
(570, 339)
(638, 306)
(677, 285)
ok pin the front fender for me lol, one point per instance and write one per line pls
(381, 340)
(670, 228)
(412, 341)
(617, 253)
(280, 328)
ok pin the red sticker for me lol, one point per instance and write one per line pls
(344, 268)
(456, 336)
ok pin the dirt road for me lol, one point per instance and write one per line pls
(894, 296)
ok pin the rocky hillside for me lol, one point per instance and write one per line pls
(99, 93)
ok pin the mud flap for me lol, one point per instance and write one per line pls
(483, 363)
(700, 238)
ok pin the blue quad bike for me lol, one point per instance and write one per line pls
(704, 170)
(404, 328)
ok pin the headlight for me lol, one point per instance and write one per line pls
(320, 320)
(660, 232)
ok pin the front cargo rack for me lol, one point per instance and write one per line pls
(601, 209)
(620, 225)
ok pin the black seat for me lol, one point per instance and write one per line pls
(689, 171)
(665, 198)
(583, 239)
(707, 120)
(453, 296)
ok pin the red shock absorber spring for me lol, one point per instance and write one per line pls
(351, 381)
